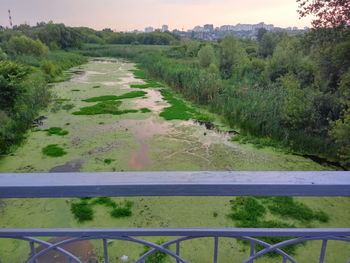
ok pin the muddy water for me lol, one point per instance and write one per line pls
(139, 141)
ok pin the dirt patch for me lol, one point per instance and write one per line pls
(84, 250)
(68, 167)
(154, 101)
(143, 130)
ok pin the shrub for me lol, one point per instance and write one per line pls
(82, 211)
(23, 45)
(121, 212)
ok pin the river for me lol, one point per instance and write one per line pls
(140, 142)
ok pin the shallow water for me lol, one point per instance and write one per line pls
(140, 141)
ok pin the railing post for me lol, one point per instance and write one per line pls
(177, 251)
(252, 251)
(32, 250)
(323, 251)
(105, 251)
(216, 245)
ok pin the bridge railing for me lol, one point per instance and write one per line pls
(175, 184)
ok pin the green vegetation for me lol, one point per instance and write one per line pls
(68, 107)
(53, 150)
(178, 109)
(83, 210)
(106, 107)
(75, 90)
(158, 257)
(285, 91)
(108, 161)
(145, 110)
(96, 87)
(251, 212)
(149, 84)
(129, 95)
(56, 131)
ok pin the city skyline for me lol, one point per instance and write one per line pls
(129, 15)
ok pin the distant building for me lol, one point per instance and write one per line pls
(208, 27)
(165, 28)
(149, 29)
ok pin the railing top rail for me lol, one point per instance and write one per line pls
(200, 232)
(276, 183)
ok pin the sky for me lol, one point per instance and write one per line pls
(122, 15)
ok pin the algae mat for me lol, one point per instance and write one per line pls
(143, 141)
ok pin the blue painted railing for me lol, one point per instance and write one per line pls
(175, 184)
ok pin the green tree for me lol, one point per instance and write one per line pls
(23, 45)
(232, 54)
(341, 134)
(206, 56)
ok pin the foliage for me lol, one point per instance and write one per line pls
(206, 56)
(250, 212)
(53, 150)
(60, 36)
(23, 45)
(157, 257)
(341, 135)
(329, 13)
(129, 95)
(82, 211)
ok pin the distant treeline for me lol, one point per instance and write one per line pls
(289, 91)
(58, 36)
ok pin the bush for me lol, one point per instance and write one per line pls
(121, 212)
(82, 211)
(23, 45)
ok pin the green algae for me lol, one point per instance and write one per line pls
(145, 110)
(107, 107)
(68, 107)
(129, 95)
(53, 150)
(178, 109)
(150, 84)
(108, 161)
(56, 131)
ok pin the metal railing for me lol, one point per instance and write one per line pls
(176, 184)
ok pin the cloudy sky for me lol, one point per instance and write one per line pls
(136, 14)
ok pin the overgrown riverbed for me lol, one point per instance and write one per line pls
(139, 139)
